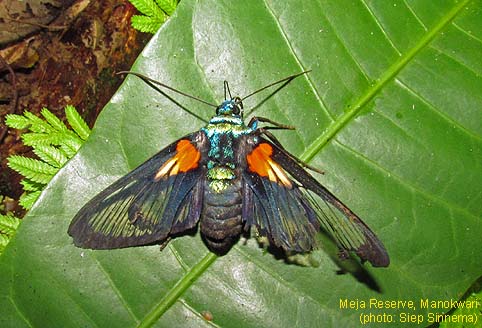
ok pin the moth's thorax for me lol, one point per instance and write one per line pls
(223, 133)
(225, 122)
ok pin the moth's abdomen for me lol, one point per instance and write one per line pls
(221, 223)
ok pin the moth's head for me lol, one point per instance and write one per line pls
(232, 107)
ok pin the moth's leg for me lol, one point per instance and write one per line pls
(253, 124)
(164, 243)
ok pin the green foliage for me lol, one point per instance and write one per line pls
(408, 163)
(77, 122)
(155, 13)
(51, 141)
(8, 226)
(54, 144)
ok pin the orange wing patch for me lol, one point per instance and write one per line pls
(186, 158)
(261, 163)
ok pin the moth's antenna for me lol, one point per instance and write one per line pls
(226, 88)
(288, 79)
(285, 82)
(150, 81)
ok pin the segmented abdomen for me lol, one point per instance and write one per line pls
(221, 223)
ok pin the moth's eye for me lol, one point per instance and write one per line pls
(239, 104)
(236, 109)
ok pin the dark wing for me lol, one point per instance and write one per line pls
(290, 213)
(161, 197)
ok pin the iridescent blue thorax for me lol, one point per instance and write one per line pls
(222, 132)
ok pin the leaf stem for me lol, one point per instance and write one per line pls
(172, 296)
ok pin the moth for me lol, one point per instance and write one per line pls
(225, 179)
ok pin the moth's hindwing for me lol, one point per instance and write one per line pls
(163, 196)
(289, 206)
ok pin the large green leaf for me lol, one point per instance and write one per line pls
(391, 112)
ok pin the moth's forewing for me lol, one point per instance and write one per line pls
(160, 197)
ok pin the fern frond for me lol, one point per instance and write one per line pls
(51, 155)
(37, 124)
(29, 185)
(52, 142)
(53, 120)
(77, 122)
(146, 24)
(71, 144)
(33, 139)
(168, 6)
(18, 122)
(155, 13)
(71, 135)
(69, 150)
(28, 199)
(8, 226)
(147, 7)
(33, 169)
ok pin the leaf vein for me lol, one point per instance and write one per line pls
(470, 35)
(315, 147)
(407, 185)
(178, 257)
(115, 289)
(375, 19)
(415, 15)
(10, 298)
(343, 45)
(442, 52)
(122, 147)
(298, 61)
(442, 115)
